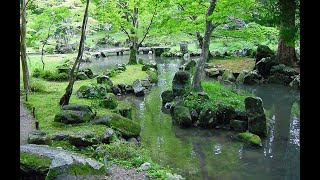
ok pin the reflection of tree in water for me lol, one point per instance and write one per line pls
(284, 159)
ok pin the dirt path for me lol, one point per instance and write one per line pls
(27, 123)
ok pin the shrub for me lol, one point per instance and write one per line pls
(36, 73)
(36, 86)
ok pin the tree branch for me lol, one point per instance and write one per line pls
(148, 28)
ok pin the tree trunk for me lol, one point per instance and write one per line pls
(134, 46)
(75, 68)
(196, 82)
(133, 55)
(23, 49)
(200, 39)
(42, 53)
(286, 46)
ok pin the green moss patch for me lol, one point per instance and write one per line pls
(34, 163)
(249, 138)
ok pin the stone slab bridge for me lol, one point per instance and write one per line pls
(145, 50)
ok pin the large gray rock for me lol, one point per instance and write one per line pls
(101, 79)
(73, 117)
(127, 128)
(257, 122)
(67, 165)
(64, 49)
(38, 137)
(265, 64)
(181, 83)
(182, 116)
(263, 51)
(145, 166)
(167, 96)
(278, 78)
(138, 89)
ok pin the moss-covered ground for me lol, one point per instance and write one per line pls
(46, 104)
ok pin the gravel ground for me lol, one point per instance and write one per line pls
(119, 173)
(27, 123)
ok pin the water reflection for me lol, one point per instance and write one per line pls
(212, 154)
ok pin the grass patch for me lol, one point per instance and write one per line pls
(235, 65)
(218, 95)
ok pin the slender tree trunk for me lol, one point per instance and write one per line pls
(23, 49)
(134, 45)
(196, 82)
(200, 39)
(286, 46)
(45, 43)
(42, 53)
(75, 68)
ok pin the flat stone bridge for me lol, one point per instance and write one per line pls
(145, 50)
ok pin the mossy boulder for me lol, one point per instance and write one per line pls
(250, 138)
(228, 76)
(265, 64)
(224, 113)
(107, 136)
(167, 96)
(263, 51)
(190, 64)
(252, 77)
(109, 101)
(283, 69)
(127, 128)
(73, 117)
(278, 78)
(152, 75)
(207, 118)
(38, 137)
(212, 72)
(239, 125)
(83, 139)
(124, 109)
(240, 78)
(33, 166)
(88, 72)
(182, 116)
(81, 76)
(77, 107)
(64, 68)
(91, 91)
(66, 165)
(181, 83)
(145, 67)
(138, 89)
(103, 79)
(257, 122)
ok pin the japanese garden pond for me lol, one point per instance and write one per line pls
(213, 154)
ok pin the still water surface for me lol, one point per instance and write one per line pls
(212, 154)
